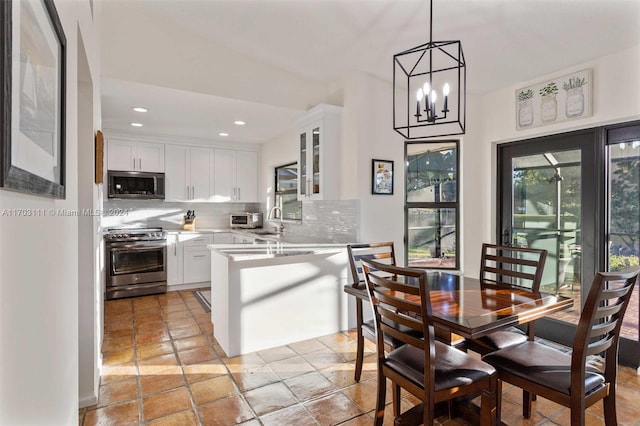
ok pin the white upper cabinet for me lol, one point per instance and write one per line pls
(236, 175)
(319, 144)
(188, 173)
(135, 156)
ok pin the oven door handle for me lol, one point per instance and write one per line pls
(129, 247)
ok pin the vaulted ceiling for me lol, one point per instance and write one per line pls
(198, 65)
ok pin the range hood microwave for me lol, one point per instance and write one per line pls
(135, 185)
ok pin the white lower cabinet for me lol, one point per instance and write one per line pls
(188, 258)
(197, 264)
(174, 260)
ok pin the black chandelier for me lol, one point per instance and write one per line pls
(418, 76)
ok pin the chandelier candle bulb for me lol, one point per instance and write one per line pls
(445, 92)
(419, 96)
(434, 98)
(426, 89)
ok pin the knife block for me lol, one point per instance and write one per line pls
(189, 224)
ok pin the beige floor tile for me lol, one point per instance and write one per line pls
(177, 315)
(117, 344)
(117, 392)
(307, 346)
(165, 403)
(276, 354)
(150, 327)
(224, 412)
(160, 382)
(152, 337)
(246, 362)
(197, 355)
(213, 389)
(182, 332)
(182, 418)
(309, 386)
(291, 367)
(333, 409)
(333, 340)
(295, 415)
(270, 398)
(152, 350)
(121, 414)
(191, 342)
(324, 358)
(205, 370)
(313, 385)
(118, 357)
(182, 322)
(258, 377)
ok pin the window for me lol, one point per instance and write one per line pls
(286, 193)
(431, 204)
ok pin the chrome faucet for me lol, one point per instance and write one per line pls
(272, 216)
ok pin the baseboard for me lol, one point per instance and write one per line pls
(190, 286)
(87, 401)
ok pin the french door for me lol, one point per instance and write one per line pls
(548, 196)
(577, 195)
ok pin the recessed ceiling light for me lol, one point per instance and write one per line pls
(223, 134)
(136, 124)
(239, 122)
(139, 109)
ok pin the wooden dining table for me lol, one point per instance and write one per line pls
(464, 307)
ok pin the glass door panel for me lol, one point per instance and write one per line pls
(624, 220)
(315, 136)
(548, 199)
(547, 206)
(303, 164)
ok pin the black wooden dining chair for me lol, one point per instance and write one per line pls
(383, 252)
(430, 370)
(506, 267)
(570, 379)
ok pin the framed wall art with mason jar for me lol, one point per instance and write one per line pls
(560, 99)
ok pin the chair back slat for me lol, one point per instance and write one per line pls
(400, 304)
(401, 319)
(509, 267)
(383, 252)
(598, 330)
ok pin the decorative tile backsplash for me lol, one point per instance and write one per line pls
(322, 221)
(119, 213)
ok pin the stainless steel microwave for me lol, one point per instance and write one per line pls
(136, 185)
(246, 220)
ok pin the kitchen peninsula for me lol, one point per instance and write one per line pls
(273, 294)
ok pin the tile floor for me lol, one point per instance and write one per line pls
(162, 366)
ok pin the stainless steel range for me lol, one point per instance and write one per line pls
(136, 262)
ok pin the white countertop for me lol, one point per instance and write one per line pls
(269, 250)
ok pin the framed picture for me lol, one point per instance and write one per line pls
(382, 177)
(32, 98)
(567, 97)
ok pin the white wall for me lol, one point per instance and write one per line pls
(367, 132)
(39, 273)
(616, 98)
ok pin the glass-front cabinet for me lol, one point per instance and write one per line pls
(319, 141)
